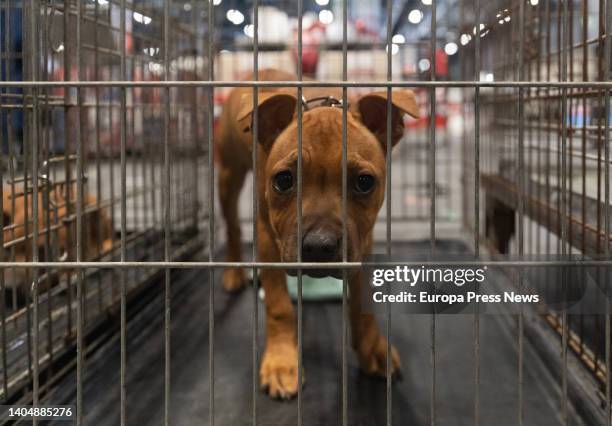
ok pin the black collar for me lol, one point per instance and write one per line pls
(323, 101)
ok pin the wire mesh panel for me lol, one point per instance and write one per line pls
(83, 174)
(545, 149)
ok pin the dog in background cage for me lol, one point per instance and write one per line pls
(322, 211)
(56, 225)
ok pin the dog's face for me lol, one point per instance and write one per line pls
(322, 180)
(21, 247)
(322, 187)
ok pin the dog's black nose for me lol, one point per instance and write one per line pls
(320, 246)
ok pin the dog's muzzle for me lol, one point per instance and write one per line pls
(320, 246)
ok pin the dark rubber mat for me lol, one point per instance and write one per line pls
(322, 395)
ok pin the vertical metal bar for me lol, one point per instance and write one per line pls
(123, 127)
(134, 159)
(539, 95)
(167, 294)
(2, 256)
(606, 248)
(153, 171)
(68, 123)
(11, 149)
(477, 212)
(601, 104)
(548, 120)
(2, 224)
(300, 13)
(528, 159)
(2, 283)
(585, 77)
(432, 192)
(564, 205)
(79, 217)
(46, 137)
(97, 147)
(344, 215)
(389, 148)
(195, 126)
(146, 157)
(521, 185)
(211, 217)
(255, 204)
(27, 139)
(569, 49)
(464, 110)
(110, 112)
(148, 172)
(33, 46)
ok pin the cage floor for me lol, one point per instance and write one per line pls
(322, 395)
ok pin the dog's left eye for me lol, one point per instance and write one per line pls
(283, 181)
(364, 183)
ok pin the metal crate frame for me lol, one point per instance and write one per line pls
(523, 88)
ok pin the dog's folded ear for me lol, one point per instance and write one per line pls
(275, 111)
(371, 109)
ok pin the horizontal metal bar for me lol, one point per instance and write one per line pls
(303, 265)
(338, 83)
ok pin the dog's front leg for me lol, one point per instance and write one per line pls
(368, 342)
(279, 367)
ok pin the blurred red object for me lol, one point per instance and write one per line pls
(311, 39)
(441, 63)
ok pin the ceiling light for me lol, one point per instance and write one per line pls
(451, 48)
(143, 19)
(151, 51)
(394, 49)
(235, 16)
(424, 65)
(482, 27)
(398, 39)
(415, 16)
(322, 2)
(326, 17)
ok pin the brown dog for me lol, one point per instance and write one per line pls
(321, 205)
(97, 230)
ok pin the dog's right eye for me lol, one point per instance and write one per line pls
(283, 181)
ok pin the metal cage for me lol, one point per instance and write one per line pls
(108, 108)
(75, 158)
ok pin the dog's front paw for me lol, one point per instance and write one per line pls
(373, 357)
(234, 280)
(278, 374)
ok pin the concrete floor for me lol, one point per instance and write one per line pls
(322, 396)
